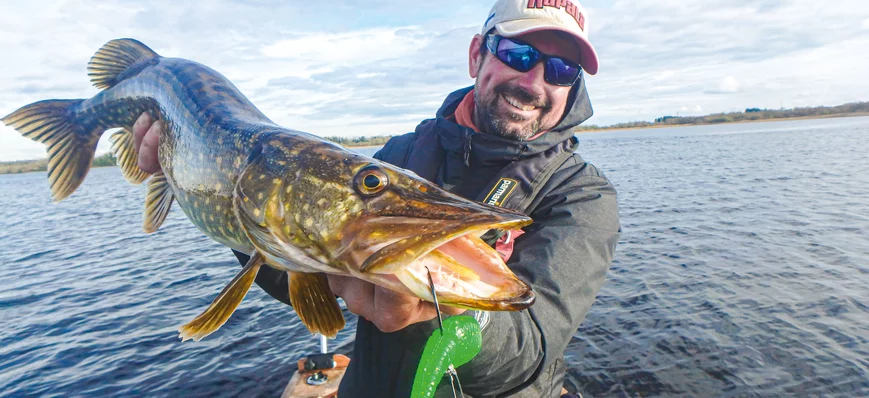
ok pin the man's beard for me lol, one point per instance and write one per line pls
(490, 122)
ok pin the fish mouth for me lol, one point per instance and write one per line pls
(465, 271)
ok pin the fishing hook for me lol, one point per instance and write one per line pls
(435, 297)
(451, 370)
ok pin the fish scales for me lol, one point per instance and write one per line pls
(293, 201)
(204, 120)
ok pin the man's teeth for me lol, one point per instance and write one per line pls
(517, 104)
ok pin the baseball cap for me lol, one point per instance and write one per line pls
(517, 17)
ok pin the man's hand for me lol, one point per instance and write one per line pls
(147, 137)
(388, 310)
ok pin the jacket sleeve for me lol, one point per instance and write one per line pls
(564, 255)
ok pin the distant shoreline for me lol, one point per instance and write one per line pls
(106, 160)
(783, 119)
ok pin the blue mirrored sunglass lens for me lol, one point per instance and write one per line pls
(518, 56)
(522, 57)
(519, 60)
(560, 73)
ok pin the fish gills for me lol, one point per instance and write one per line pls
(224, 304)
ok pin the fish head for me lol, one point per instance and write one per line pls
(330, 209)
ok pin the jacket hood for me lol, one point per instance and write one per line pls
(488, 147)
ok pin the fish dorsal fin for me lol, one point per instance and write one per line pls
(114, 58)
(124, 150)
(157, 202)
(224, 304)
(315, 303)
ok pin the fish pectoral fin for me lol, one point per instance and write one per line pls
(315, 303)
(114, 58)
(225, 304)
(158, 201)
(124, 150)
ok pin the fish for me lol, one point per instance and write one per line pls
(292, 200)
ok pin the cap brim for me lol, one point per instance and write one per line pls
(588, 56)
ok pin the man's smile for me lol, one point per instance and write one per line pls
(517, 104)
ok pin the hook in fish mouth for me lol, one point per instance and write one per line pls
(399, 250)
(466, 273)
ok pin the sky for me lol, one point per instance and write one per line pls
(379, 67)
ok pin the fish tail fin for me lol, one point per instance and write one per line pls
(71, 140)
(108, 66)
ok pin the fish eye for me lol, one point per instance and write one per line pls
(371, 180)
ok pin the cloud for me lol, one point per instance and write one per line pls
(690, 110)
(346, 68)
(728, 85)
(657, 56)
(346, 48)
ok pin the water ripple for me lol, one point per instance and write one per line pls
(741, 272)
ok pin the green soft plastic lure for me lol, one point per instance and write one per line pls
(455, 344)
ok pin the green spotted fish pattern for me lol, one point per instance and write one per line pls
(291, 200)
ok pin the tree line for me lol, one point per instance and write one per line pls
(359, 141)
(750, 114)
(27, 166)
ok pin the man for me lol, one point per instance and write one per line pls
(508, 140)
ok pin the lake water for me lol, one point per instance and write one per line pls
(743, 270)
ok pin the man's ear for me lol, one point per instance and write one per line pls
(475, 56)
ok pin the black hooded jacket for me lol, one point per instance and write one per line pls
(564, 255)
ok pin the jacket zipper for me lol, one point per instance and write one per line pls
(467, 149)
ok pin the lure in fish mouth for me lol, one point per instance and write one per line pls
(292, 200)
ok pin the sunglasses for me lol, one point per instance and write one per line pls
(523, 56)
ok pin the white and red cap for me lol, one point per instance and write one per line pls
(512, 18)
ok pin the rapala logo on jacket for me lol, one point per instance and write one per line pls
(569, 7)
(501, 191)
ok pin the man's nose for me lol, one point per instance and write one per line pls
(533, 79)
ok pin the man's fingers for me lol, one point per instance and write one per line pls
(357, 294)
(389, 311)
(141, 127)
(146, 134)
(148, 149)
(394, 311)
(336, 284)
(450, 310)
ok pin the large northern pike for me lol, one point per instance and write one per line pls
(295, 202)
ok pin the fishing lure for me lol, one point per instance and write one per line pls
(458, 340)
